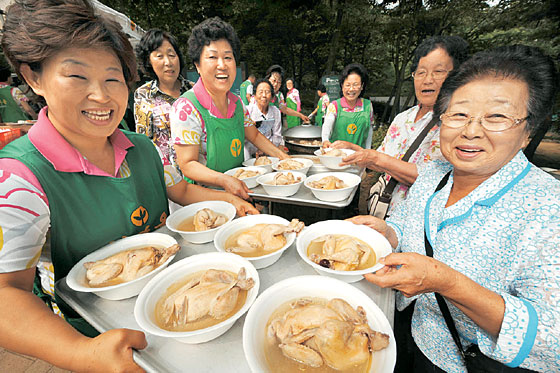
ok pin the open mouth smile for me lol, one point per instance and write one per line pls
(99, 115)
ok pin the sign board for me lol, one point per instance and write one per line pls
(332, 85)
(193, 76)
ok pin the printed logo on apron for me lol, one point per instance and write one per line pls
(235, 147)
(139, 217)
(351, 129)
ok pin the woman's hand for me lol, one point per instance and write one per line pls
(413, 274)
(235, 186)
(241, 206)
(340, 144)
(304, 118)
(376, 224)
(112, 351)
(326, 144)
(363, 158)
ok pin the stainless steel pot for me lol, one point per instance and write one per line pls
(298, 139)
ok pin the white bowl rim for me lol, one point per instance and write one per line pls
(296, 173)
(202, 205)
(74, 285)
(376, 267)
(289, 240)
(253, 160)
(324, 280)
(307, 163)
(324, 174)
(260, 169)
(346, 151)
(142, 297)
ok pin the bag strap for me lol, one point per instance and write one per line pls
(388, 191)
(441, 302)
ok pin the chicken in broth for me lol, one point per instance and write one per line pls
(341, 252)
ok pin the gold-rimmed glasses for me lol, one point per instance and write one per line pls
(438, 74)
(490, 122)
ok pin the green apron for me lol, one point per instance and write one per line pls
(319, 117)
(88, 212)
(276, 100)
(225, 137)
(352, 127)
(9, 109)
(290, 119)
(243, 91)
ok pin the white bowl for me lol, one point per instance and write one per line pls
(317, 165)
(185, 212)
(281, 190)
(352, 180)
(251, 182)
(333, 162)
(76, 278)
(374, 239)
(145, 306)
(249, 221)
(307, 163)
(254, 329)
(268, 167)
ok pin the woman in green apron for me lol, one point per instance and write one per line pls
(209, 124)
(275, 75)
(75, 182)
(350, 118)
(293, 102)
(322, 105)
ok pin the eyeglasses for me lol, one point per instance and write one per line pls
(355, 86)
(490, 122)
(436, 74)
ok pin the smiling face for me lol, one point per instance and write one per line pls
(276, 81)
(263, 95)
(427, 89)
(289, 84)
(352, 87)
(85, 92)
(217, 67)
(165, 62)
(472, 150)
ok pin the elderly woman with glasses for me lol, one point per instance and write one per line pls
(350, 118)
(489, 219)
(433, 59)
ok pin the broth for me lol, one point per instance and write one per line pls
(278, 363)
(201, 323)
(232, 241)
(187, 225)
(317, 248)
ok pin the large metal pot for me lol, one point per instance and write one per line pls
(303, 139)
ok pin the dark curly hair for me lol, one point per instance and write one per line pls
(210, 30)
(152, 40)
(274, 69)
(455, 46)
(35, 30)
(526, 64)
(321, 87)
(355, 68)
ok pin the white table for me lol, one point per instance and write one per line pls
(224, 354)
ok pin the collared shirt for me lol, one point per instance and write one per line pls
(275, 132)
(151, 114)
(504, 235)
(330, 118)
(187, 125)
(400, 135)
(24, 212)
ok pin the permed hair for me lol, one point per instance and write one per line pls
(321, 87)
(355, 68)
(264, 81)
(35, 30)
(455, 46)
(208, 31)
(519, 62)
(274, 69)
(152, 40)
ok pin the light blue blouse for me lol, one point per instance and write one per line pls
(505, 235)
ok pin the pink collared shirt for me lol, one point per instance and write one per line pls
(187, 125)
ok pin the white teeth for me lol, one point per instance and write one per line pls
(97, 115)
(469, 150)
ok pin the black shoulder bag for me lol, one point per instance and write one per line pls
(475, 360)
(381, 192)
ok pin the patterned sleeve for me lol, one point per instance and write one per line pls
(281, 100)
(247, 121)
(143, 112)
(170, 173)
(186, 123)
(18, 96)
(529, 334)
(24, 222)
(324, 103)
